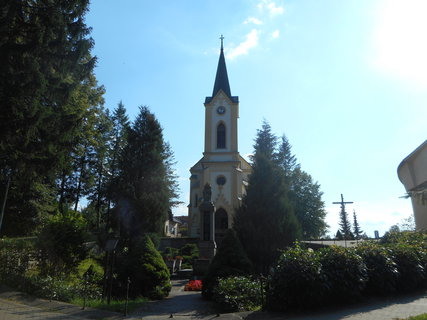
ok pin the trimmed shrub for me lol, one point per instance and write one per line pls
(230, 260)
(382, 270)
(145, 267)
(296, 282)
(412, 275)
(239, 294)
(345, 274)
(418, 238)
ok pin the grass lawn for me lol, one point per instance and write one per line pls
(420, 317)
(115, 305)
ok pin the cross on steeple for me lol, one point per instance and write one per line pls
(222, 38)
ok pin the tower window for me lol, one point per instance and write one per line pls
(220, 136)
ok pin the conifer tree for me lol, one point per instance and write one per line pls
(45, 71)
(230, 260)
(345, 226)
(146, 269)
(287, 160)
(304, 194)
(265, 221)
(142, 194)
(265, 141)
(356, 228)
(45, 54)
(120, 127)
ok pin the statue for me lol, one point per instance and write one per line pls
(207, 192)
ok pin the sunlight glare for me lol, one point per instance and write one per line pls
(400, 40)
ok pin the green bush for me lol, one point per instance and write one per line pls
(189, 253)
(345, 274)
(15, 257)
(61, 243)
(97, 271)
(239, 294)
(296, 282)
(412, 275)
(382, 270)
(230, 260)
(52, 288)
(170, 252)
(145, 267)
(417, 238)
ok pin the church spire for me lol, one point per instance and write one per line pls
(221, 79)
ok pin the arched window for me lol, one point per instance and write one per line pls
(221, 219)
(220, 136)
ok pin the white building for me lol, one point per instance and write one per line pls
(412, 172)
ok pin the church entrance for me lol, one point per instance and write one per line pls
(221, 224)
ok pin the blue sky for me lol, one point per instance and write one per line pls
(346, 81)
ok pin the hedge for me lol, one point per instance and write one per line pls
(307, 279)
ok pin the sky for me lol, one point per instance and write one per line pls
(345, 81)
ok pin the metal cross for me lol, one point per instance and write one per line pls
(222, 38)
(342, 203)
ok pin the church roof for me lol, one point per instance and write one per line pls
(221, 79)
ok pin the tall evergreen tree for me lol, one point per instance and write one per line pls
(46, 64)
(265, 221)
(265, 142)
(98, 193)
(45, 54)
(356, 228)
(345, 225)
(287, 160)
(142, 195)
(118, 140)
(304, 194)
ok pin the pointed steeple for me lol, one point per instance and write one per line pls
(221, 79)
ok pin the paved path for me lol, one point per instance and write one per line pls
(189, 305)
(393, 308)
(180, 303)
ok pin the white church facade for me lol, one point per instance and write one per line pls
(221, 165)
(412, 172)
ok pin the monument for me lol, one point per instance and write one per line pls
(207, 245)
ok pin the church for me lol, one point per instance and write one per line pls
(222, 167)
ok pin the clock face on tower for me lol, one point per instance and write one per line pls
(220, 110)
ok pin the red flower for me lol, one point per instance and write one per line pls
(193, 285)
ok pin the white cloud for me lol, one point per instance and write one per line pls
(275, 34)
(399, 40)
(252, 20)
(271, 6)
(243, 48)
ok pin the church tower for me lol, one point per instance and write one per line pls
(221, 165)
